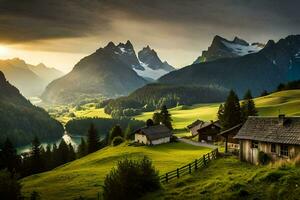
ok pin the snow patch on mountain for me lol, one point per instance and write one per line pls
(242, 50)
(148, 72)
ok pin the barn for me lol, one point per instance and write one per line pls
(195, 126)
(153, 135)
(278, 137)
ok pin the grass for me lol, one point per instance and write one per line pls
(86, 175)
(284, 102)
(228, 178)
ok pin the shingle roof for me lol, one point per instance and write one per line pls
(195, 123)
(271, 129)
(155, 132)
(206, 124)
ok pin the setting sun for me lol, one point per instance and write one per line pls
(3, 50)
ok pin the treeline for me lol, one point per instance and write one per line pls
(21, 124)
(154, 96)
(292, 85)
(81, 126)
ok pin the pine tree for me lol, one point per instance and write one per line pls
(166, 117)
(92, 140)
(55, 156)
(128, 132)
(36, 159)
(156, 118)
(232, 111)
(82, 148)
(48, 158)
(248, 106)
(220, 113)
(9, 156)
(72, 154)
(149, 122)
(115, 131)
(63, 152)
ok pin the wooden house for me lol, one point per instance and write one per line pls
(153, 135)
(231, 143)
(195, 126)
(209, 132)
(279, 137)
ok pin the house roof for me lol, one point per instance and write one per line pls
(207, 124)
(228, 131)
(195, 123)
(155, 132)
(284, 130)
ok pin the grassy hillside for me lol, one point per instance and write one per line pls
(285, 102)
(85, 176)
(228, 178)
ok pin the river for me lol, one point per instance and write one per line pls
(74, 140)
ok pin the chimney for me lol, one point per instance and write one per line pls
(281, 119)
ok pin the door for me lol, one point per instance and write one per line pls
(254, 155)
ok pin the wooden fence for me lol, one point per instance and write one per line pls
(187, 169)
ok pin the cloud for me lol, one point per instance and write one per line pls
(23, 21)
(178, 29)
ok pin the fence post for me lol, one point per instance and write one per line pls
(208, 156)
(196, 164)
(177, 173)
(190, 168)
(166, 177)
(204, 160)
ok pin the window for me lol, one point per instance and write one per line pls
(209, 138)
(273, 148)
(284, 150)
(254, 144)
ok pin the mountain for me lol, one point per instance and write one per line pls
(20, 120)
(46, 73)
(275, 63)
(107, 72)
(29, 79)
(151, 65)
(223, 48)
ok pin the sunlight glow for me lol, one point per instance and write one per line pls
(3, 50)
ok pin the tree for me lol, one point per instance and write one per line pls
(55, 156)
(48, 158)
(63, 152)
(115, 131)
(156, 118)
(248, 106)
(92, 139)
(128, 132)
(149, 122)
(232, 111)
(9, 157)
(166, 117)
(221, 113)
(131, 179)
(264, 93)
(72, 154)
(82, 148)
(36, 158)
(10, 188)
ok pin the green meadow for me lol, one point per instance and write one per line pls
(228, 178)
(286, 102)
(86, 175)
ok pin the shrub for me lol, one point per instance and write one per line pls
(263, 158)
(117, 140)
(131, 179)
(10, 188)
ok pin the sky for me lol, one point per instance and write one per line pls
(59, 33)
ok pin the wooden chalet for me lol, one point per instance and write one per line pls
(195, 126)
(279, 137)
(153, 135)
(209, 132)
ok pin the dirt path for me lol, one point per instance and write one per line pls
(200, 144)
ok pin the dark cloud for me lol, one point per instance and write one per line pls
(31, 20)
